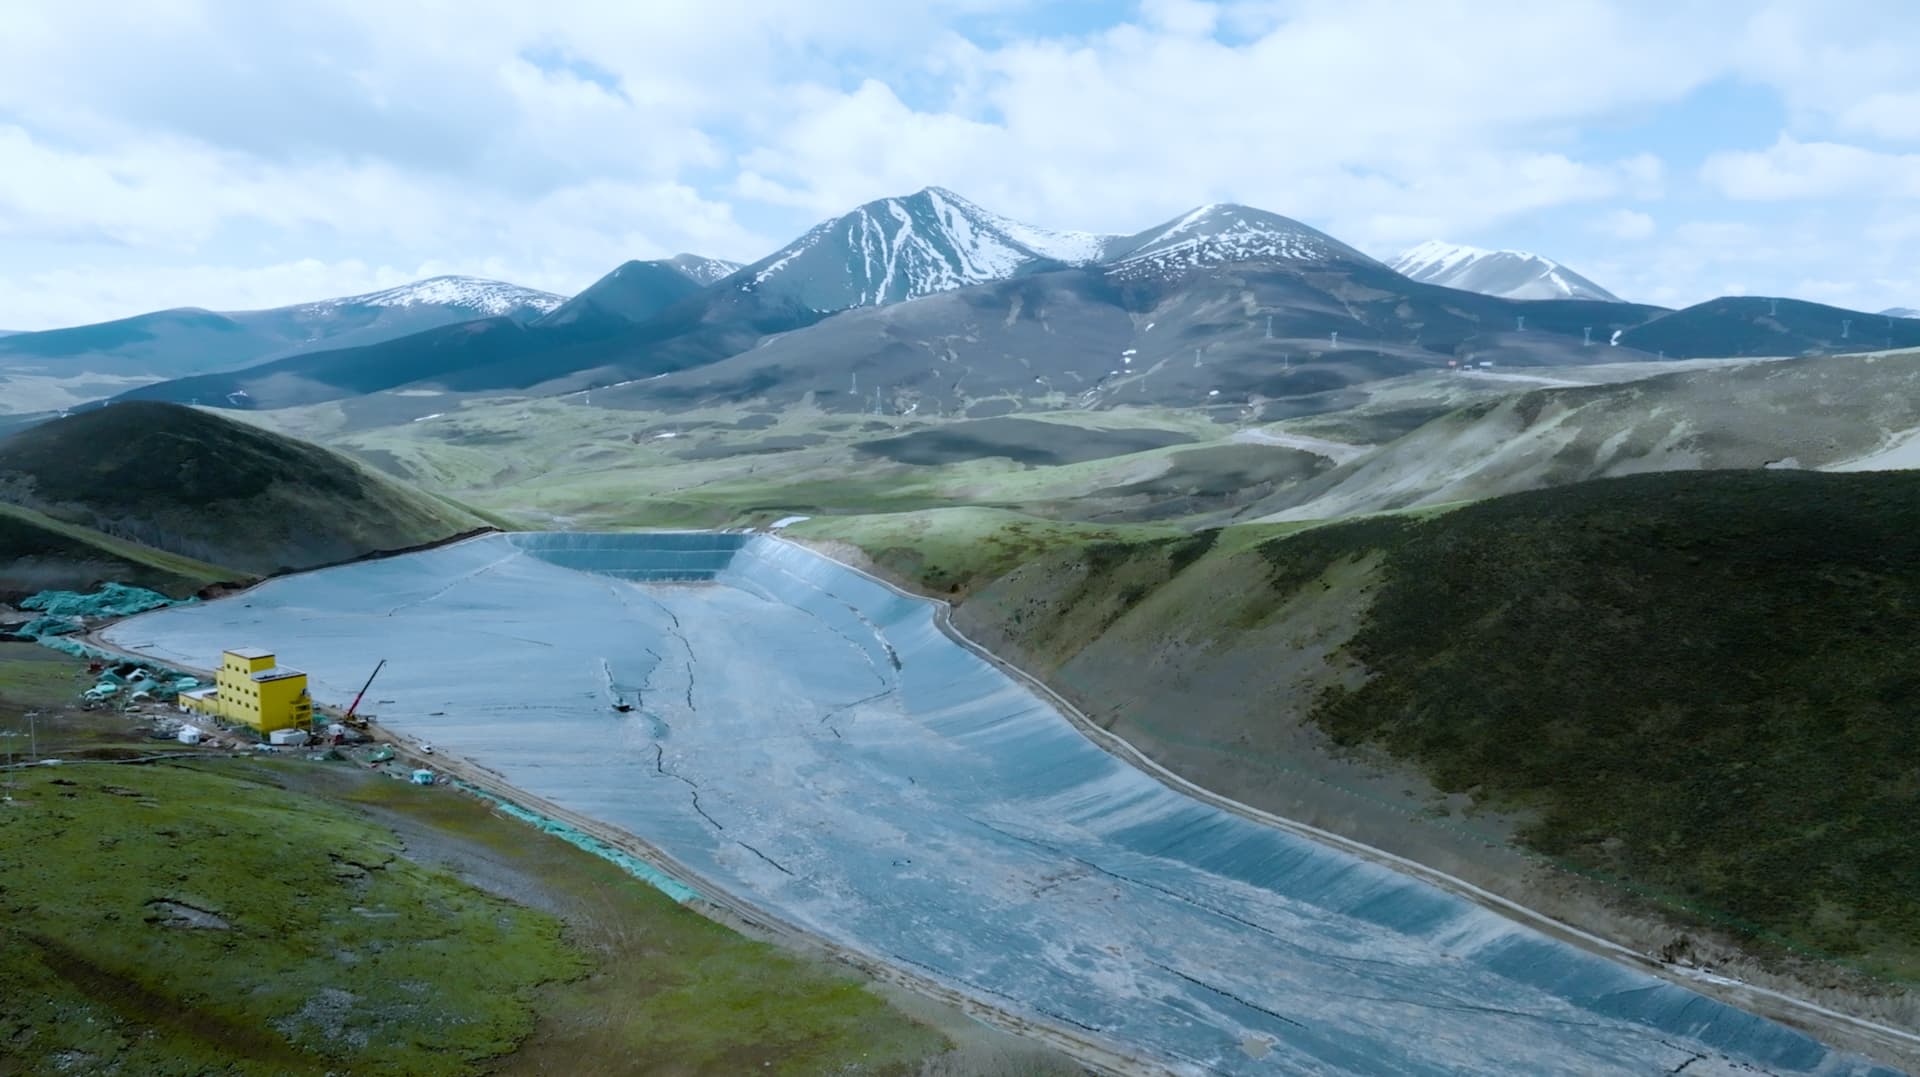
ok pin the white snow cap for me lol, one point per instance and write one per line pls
(473, 293)
(1508, 274)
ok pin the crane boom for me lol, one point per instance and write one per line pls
(363, 689)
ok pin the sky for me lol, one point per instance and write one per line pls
(238, 155)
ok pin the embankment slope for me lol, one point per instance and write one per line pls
(1698, 684)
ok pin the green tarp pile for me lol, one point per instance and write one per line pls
(63, 613)
(111, 600)
(141, 684)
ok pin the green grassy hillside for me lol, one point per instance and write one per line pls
(204, 487)
(1701, 684)
(39, 553)
(292, 917)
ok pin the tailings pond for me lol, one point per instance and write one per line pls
(812, 742)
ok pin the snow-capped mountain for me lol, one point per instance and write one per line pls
(485, 298)
(1221, 233)
(1509, 274)
(186, 341)
(895, 249)
(701, 269)
(1901, 312)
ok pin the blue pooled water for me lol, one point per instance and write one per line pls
(809, 740)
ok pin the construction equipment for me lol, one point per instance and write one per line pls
(349, 719)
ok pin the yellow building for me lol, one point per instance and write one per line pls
(250, 688)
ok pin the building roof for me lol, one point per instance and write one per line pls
(276, 673)
(199, 693)
(249, 652)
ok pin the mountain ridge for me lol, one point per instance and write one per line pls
(929, 303)
(187, 341)
(1505, 273)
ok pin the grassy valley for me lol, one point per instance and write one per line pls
(1669, 705)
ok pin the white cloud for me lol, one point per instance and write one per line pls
(227, 133)
(1791, 169)
(1625, 224)
(1188, 18)
(80, 293)
(1892, 116)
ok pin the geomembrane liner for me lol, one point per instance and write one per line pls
(809, 740)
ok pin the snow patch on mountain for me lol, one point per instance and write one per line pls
(895, 249)
(772, 266)
(1509, 274)
(701, 269)
(1221, 233)
(1901, 312)
(490, 297)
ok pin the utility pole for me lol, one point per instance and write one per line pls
(1588, 338)
(1519, 323)
(1846, 327)
(1773, 308)
(1334, 341)
(1269, 327)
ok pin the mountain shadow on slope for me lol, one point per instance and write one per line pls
(632, 293)
(1024, 441)
(1699, 684)
(201, 486)
(39, 553)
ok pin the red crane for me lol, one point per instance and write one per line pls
(363, 690)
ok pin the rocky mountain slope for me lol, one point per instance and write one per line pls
(1223, 305)
(895, 249)
(1824, 412)
(929, 304)
(1510, 274)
